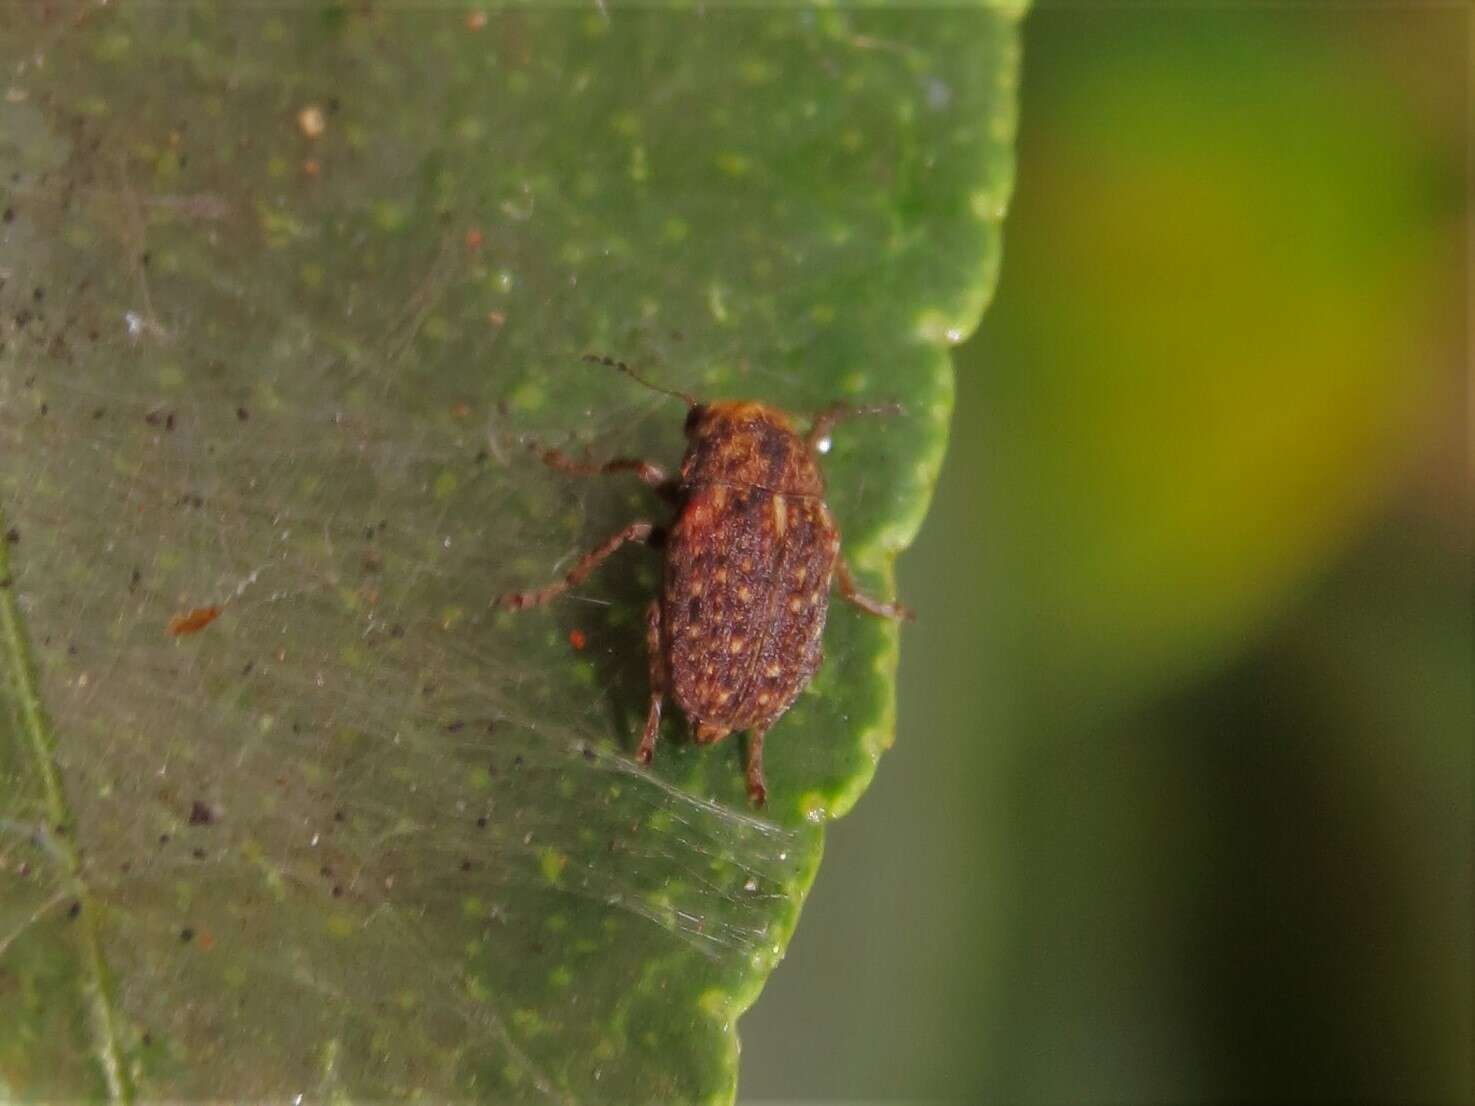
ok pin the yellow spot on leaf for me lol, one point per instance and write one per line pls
(552, 863)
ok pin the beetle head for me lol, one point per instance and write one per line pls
(743, 443)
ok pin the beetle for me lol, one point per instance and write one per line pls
(735, 634)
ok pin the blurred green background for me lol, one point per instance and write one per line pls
(1180, 805)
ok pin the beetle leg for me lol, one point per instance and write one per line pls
(657, 682)
(519, 600)
(825, 420)
(853, 594)
(757, 789)
(647, 472)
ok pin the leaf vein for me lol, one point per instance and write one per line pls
(20, 675)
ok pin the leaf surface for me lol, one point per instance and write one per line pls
(285, 807)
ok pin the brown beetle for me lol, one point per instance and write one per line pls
(735, 635)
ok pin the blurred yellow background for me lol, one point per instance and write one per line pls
(1180, 805)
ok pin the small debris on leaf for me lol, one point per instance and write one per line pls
(312, 121)
(192, 622)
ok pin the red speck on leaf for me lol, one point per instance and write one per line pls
(193, 621)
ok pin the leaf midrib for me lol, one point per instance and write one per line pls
(20, 673)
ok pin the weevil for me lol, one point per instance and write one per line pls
(735, 634)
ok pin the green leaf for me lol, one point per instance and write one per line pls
(285, 808)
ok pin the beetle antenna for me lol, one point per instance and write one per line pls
(596, 359)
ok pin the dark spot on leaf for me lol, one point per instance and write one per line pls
(466, 865)
(13, 535)
(455, 727)
(186, 934)
(198, 854)
(481, 823)
(39, 294)
(337, 891)
(99, 412)
(242, 414)
(74, 909)
(163, 839)
(339, 816)
(9, 215)
(589, 754)
(200, 814)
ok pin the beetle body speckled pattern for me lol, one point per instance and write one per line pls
(747, 572)
(749, 562)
